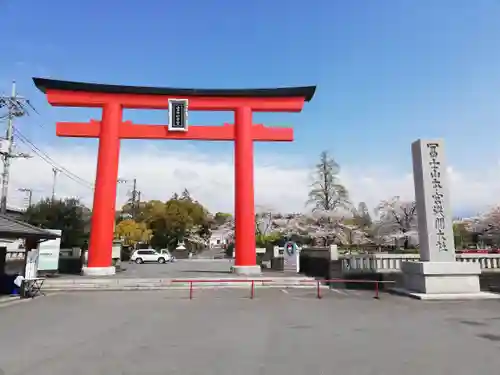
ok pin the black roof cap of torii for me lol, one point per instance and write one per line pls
(44, 84)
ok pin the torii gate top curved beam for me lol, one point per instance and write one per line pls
(304, 92)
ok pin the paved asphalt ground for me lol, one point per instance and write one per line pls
(182, 269)
(224, 332)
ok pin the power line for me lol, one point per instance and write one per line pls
(45, 157)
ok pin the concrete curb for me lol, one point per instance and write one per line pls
(12, 301)
(18, 300)
(171, 283)
(100, 288)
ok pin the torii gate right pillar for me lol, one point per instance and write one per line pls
(245, 262)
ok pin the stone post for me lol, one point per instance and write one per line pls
(438, 275)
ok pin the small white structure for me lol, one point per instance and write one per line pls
(49, 252)
(219, 238)
(437, 275)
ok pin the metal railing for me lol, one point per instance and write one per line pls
(252, 284)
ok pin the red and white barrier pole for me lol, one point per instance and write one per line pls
(318, 290)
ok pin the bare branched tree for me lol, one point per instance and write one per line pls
(362, 219)
(327, 193)
(264, 217)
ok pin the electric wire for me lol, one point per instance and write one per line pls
(45, 157)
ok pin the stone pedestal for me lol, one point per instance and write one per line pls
(426, 280)
(98, 271)
(441, 277)
(246, 270)
(442, 281)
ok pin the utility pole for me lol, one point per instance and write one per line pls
(138, 203)
(30, 195)
(55, 171)
(134, 198)
(16, 107)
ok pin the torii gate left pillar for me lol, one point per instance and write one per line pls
(111, 129)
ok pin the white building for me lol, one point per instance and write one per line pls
(220, 237)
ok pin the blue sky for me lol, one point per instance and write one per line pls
(388, 71)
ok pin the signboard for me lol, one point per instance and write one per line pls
(291, 257)
(49, 253)
(116, 251)
(178, 114)
(30, 272)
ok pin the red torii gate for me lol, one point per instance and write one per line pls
(114, 98)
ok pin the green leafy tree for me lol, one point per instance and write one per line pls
(262, 240)
(463, 236)
(222, 218)
(68, 215)
(181, 218)
(132, 232)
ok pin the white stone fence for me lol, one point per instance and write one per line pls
(388, 263)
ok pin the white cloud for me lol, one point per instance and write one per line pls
(282, 184)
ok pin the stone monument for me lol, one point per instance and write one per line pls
(437, 275)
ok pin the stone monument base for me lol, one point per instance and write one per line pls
(442, 281)
(246, 270)
(98, 271)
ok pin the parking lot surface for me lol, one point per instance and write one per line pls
(183, 268)
(225, 332)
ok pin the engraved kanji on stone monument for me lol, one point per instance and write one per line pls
(432, 198)
(437, 196)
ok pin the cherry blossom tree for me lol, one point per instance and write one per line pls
(486, 226)
(323, 227)
(397, 219)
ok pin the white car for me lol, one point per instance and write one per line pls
(168, 256)
(149, 256)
